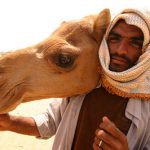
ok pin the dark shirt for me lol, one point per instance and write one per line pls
(97, 104)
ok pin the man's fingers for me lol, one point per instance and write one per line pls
(100, 142)
(111, 128)
(110, 135)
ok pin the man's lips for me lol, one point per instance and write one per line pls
(119, 61)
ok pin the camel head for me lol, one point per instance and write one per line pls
(63, 65)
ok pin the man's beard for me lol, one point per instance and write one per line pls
(125, 63)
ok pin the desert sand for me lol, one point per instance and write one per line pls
(14, 141)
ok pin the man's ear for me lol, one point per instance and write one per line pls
(101, 22)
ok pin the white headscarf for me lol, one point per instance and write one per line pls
(134, 82)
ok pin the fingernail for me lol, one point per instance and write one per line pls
(106, 119)
(100, 132)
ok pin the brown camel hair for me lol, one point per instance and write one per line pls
(63, 65)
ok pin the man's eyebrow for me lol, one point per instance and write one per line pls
(137, 38)
(141, 38)
(113, 34)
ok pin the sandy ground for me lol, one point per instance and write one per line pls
(14, 141)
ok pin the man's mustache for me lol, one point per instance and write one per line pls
(122, 57)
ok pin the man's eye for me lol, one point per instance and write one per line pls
(113, 39)
(137, 44)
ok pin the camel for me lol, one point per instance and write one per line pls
(64, 64)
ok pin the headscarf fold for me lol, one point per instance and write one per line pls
(134, 82)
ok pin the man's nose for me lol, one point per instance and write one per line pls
(122, 48)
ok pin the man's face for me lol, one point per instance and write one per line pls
(125, 46)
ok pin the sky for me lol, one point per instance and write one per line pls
(26, 22)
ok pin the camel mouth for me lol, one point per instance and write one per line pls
(12, 96)
(31, 98)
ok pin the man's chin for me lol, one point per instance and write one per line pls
(118, 68)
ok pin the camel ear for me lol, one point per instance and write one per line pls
(101, 23)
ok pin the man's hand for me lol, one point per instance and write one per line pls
(5, 122)
(109, 137)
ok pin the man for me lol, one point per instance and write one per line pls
(127, 39)
(75, 120)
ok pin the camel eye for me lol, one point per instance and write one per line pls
(63, 60)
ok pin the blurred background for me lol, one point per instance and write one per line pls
(27, 22)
